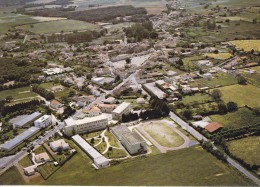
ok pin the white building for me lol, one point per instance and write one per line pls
(85, 125)
(132, 141)
(99, 160)
(43, 121)
(123, 108)
(207, 76)
(30, 170)
(59, 143)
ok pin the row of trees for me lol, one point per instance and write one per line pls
(218, 153)
(20, 106)
(43, 92)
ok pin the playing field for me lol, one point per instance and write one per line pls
(191, 166)
(241, 118)
(163, 134)
(251, 149)
(247, 45)
(242, 95)
(58, 26)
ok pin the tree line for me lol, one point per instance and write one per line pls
(19, 106)
(43, 92)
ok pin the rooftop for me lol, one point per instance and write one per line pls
(121, 107)
(43, 118)
(213, 126)
(27, 119)
(132, 137)
(71, 121)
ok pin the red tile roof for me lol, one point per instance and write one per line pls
(213, 126)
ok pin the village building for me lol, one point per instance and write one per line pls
(43, 121)
(123, 108)
(55, 104)
(91, 112)
(85, 125)
(59, 143)
(42, 157)
(107, 108)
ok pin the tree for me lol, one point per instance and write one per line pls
(8, 98)
(187, 113)
(256, 111)
(241, 80)
(222, 108)
(232, 106)
(128, 60)
(59, 150)
(216, 94)
(92, 141)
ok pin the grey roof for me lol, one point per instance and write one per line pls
(93, 153)
(27, 119)
(132, 138)
(18, 139)
(121, 107)
(119, 130)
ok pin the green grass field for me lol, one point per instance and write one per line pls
(242, 95)
(220, 79)
(112, 139)
(11, 177)
(192, 166)
(116, 153)
(196, 98)
(25, 162)
(251, 149)
(242, 117)
(58, 26)
(163, 134)
(18, 93)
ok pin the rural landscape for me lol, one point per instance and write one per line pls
(130, 92)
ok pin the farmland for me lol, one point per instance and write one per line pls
(251, 149)
(11, 177)
(242, 95)
(207, 170)
(242, 117)
(58, 26)
(247, 45)
(219, 56)
(18, 93)
(196, 98)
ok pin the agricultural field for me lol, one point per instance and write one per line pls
(207, 170)
(253, 78)
(219, 56)
(58, 26)
(196, 98)
(241, 118)
(189, 63)
(241, 94)
(18, 93)
(163, 134)
(247, 45)
(251, 149)
(220, 79)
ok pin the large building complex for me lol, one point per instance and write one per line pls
(98, 159)
(27, 119)
(123, 108)
(132, 141)
(9, 145)
(43, 122)
(85, 125)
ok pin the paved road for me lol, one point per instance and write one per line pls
(199, 136)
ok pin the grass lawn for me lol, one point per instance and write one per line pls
(91, 135)
(189, 63)
(241, 94)
(47, 169)
(18, 93)
(219, 56)
(58, 26)
(39, 150)
(101, 147)
(242, 117)
(163, 134)
(196, 98)
(112, 139)
(253, 78)
(11, 177)
(251, 149)
(247, 45)
(48, 85)
(220, 79)
(25, 162)
(116, 153)
(191, 166)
